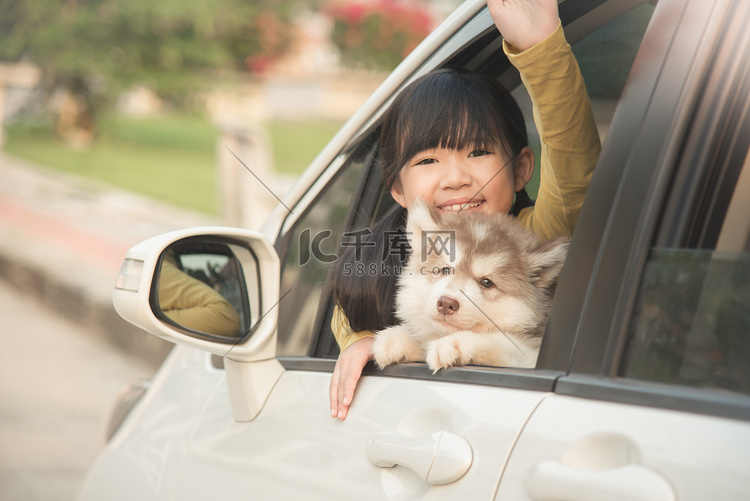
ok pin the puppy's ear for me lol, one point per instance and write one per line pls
(546, 261)
(422, 218)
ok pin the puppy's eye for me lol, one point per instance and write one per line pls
(446, 270)
(486, 283)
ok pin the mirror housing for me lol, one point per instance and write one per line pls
(136, 294)
(249, 356)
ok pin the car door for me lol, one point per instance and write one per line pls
(405, 421)
(399, 428)
(656, 403)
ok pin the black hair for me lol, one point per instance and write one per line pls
(364, 281)
(444, 108)
(452, 110)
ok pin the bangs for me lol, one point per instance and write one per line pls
(450, 111)
(447, 109)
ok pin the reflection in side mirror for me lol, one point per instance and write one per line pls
(201, 288)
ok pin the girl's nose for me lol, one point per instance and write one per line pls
(455, 175)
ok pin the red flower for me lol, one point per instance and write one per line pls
(378, 33)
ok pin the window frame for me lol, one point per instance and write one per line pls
(285, 241)
(693, 96)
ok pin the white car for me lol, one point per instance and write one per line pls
(642, 387)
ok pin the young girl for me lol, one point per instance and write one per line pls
(459, 142)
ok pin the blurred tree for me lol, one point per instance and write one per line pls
(378, 34)
(95, 49)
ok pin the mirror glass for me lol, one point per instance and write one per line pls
(201, 288)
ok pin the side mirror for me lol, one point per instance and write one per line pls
(215, 289)
(210, 288)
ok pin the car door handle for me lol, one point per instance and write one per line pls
(438, 458)
(553, 480)
(601, 466)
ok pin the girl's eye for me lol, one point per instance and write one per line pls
(486, 283)
(479, 153)
(426, 161)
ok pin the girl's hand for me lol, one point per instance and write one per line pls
(524, 23)
(346, 375)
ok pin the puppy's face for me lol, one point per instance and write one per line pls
(476, 272)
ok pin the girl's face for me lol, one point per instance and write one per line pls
(469, 179)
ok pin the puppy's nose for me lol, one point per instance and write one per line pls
(446, 305)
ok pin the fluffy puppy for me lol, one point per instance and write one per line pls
(476, 289)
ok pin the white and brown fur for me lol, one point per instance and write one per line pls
(452, 318)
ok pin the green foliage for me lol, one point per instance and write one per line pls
(378, 34)
(97, 48)
(262, 39)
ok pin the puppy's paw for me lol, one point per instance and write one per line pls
(448, 351)
(394, 345)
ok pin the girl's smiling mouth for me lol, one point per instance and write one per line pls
(460, 205)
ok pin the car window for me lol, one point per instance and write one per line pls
(606, 56)
(691, 323)
(309, 250)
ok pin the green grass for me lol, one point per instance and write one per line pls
(169, 158)
(296, 144)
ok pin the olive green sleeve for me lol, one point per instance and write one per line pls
(567, 130)
(343, 333)
(194, 304)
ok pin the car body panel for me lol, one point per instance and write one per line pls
(160, 454)
(570, 445)
(324, 458)
(144, 458)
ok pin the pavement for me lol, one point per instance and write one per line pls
(63, 239)
(58, 383)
